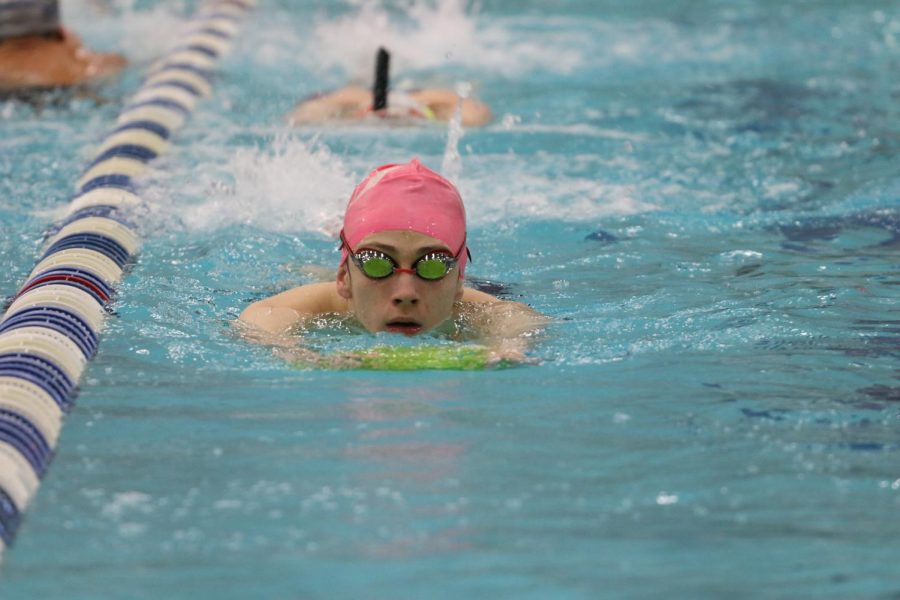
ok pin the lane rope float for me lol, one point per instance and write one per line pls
(51, 328)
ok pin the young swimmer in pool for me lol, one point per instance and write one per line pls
(402, 270)
(353, 103)
(36, 53)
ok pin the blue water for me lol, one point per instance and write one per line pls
(702, 195)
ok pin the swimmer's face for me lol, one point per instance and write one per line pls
(402, 302)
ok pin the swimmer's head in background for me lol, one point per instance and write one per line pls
(407, 197)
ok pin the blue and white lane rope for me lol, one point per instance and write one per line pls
(50, 330)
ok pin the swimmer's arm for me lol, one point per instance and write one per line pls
(507, 328)
(280, 313)
(443, 104)
(271, 322)
(348, 101)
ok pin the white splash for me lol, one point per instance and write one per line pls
(295, 185)
(451, 166)
(290, 185)
(142, 33)
(424, 35)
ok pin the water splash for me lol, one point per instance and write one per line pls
(296, 185)
(140, 32)
(425, 35)
(451, 167)
(292, 185)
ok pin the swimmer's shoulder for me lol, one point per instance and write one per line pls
(312, 299)
(476, 302)
(471, 295)
(288, 309)
(493, 317)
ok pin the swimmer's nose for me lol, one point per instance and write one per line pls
(405, 290)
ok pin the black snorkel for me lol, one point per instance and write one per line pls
(382, 72)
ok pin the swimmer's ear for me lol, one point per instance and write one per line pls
(343, 282)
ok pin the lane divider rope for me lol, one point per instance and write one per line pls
(51, 328)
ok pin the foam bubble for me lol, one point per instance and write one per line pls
(125, 502)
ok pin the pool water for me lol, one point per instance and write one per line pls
(703, 197)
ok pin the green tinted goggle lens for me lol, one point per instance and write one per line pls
(376, 266)
(429, 267)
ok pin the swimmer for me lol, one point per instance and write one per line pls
(36, 53)
(403, 262)
(357, 103)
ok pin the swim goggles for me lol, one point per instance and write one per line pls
(375, 264)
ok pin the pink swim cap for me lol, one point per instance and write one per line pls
(406, 197)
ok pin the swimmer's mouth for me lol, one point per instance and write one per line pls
(404, 326)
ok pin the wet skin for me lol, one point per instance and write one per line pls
(402, 302)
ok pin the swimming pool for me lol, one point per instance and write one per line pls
(701, 194)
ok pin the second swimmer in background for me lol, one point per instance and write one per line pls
(355, 103)
(38, 54)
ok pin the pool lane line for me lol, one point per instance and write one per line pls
(51, 328)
